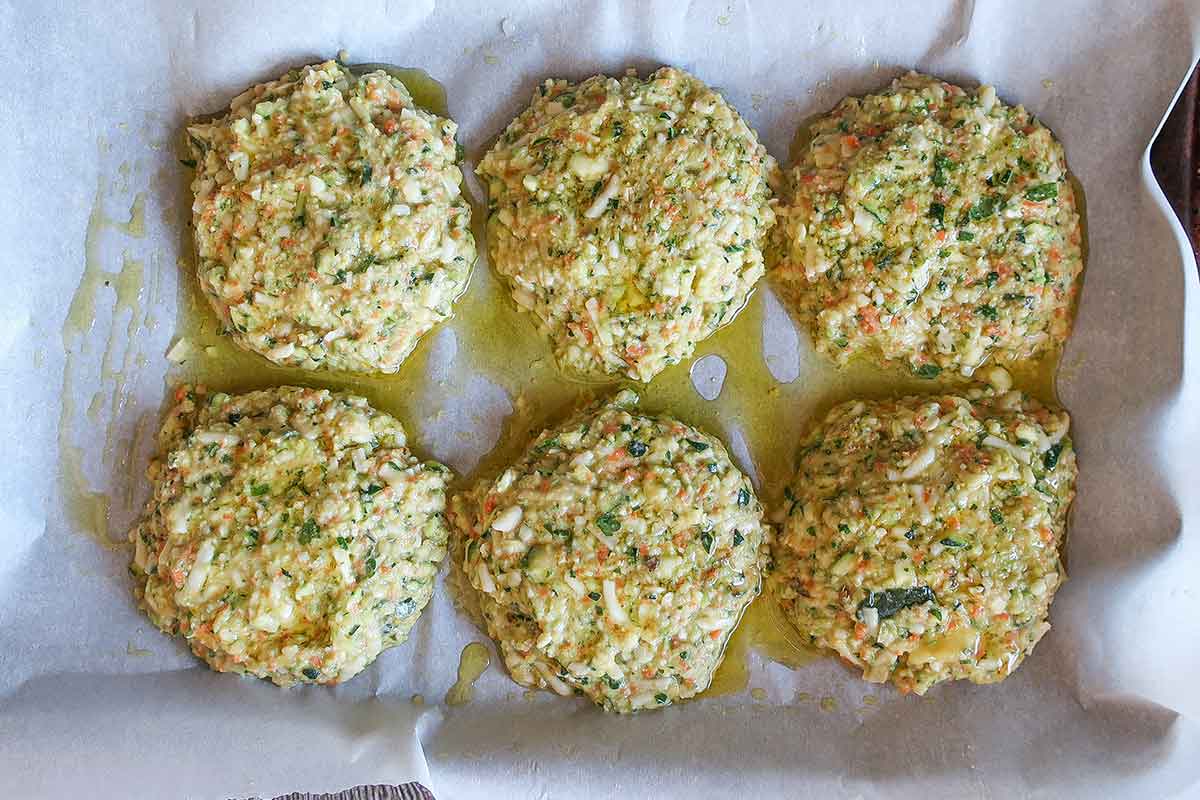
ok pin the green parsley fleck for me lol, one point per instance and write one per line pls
(1044, 191)
(928, 371)
(1050, 459)
(309, 531)
(608, 523)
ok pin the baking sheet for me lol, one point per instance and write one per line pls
(94, 702)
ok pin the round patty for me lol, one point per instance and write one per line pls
(629, 216)
(932, 226)
(330, 225)
(615, 558)
(921, 539)
(290, 534)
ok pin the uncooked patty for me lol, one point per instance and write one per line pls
(615, 557)
(921, 536)
(932, 226)
(330, 224)
(290, 533)
(628, 216)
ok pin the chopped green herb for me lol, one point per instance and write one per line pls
(1043, 191)
(966, 236)
(1050, 459)
(637, 448)
(940, 165)
(565, 533)
(983, 209)
(661, 698)
(996, 516)
(928, 371)
(890, 601)
(364, 262)
(608, 523)
(699, 447)
(706, 541)
(309, 531)
(311, 673)
(951, 542)
(743, 497)
(259, 489)
(873, 213)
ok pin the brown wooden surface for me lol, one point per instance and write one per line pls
(1173, 158)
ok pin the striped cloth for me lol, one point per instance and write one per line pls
(409, 791)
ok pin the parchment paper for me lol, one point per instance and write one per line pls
(96, 703)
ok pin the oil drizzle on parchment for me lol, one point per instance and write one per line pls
(88, 508)
(764, 630)
(471, 664)
(138, 652)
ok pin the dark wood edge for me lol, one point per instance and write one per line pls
(1174, 158)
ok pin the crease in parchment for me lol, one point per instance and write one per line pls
(953, 35)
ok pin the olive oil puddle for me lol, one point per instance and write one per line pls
(426, 92)
(763, 630)
(88, 508)
(471, 664)
(492, 344)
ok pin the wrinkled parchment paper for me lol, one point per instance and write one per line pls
(96, 703)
